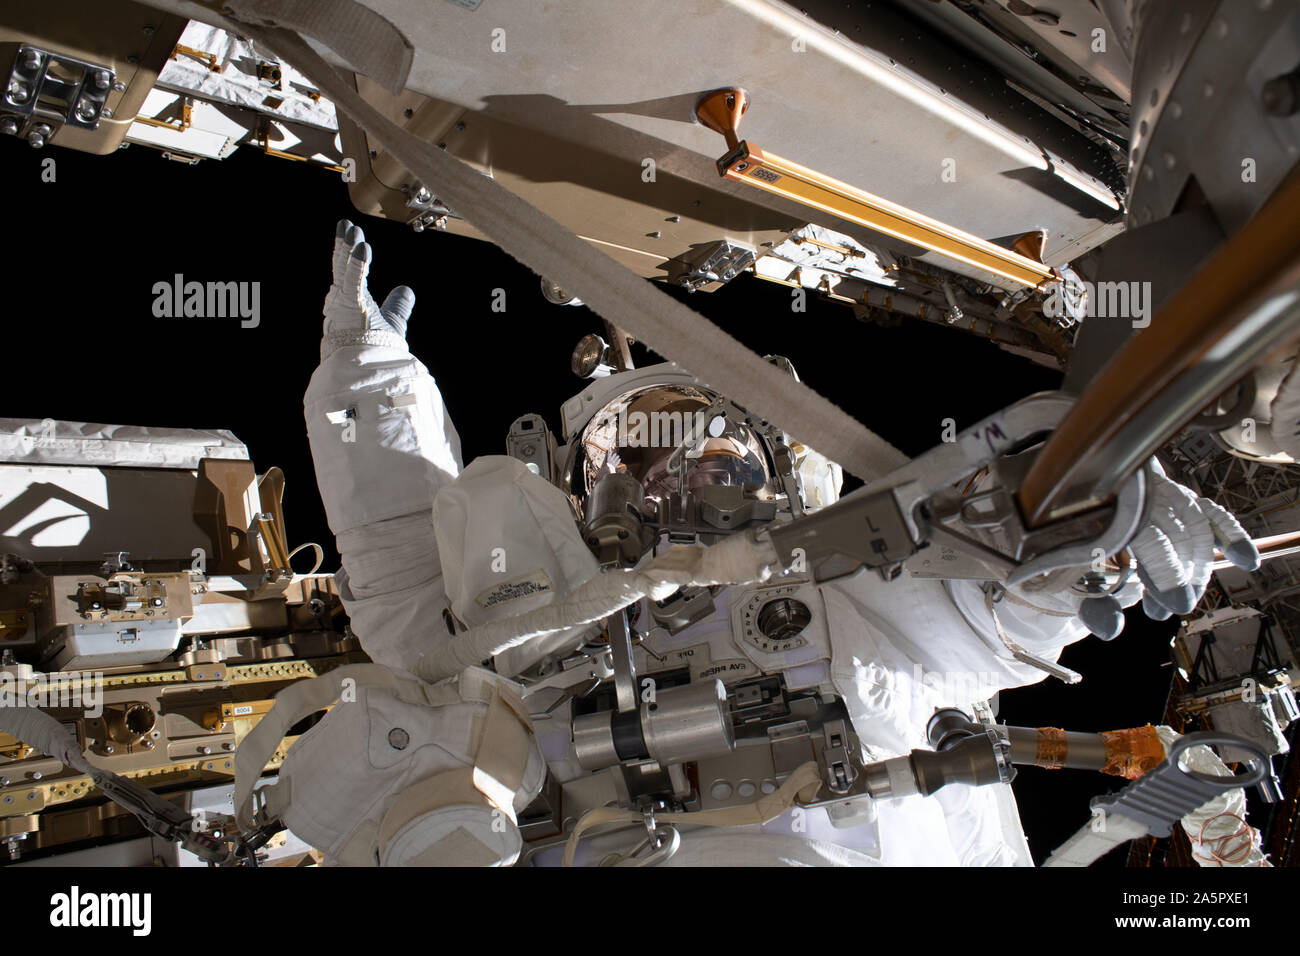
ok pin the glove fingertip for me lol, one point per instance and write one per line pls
(1243, 554)
(401, 298)
(1154, 609)
(1180, 600)
(1103, 617)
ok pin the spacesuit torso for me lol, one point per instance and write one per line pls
(893, 652)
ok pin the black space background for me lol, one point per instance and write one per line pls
(80, 343)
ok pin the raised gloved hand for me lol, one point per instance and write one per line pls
(351, 314)
(383, 444)
(1174, 552)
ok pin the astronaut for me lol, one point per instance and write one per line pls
(737, 662)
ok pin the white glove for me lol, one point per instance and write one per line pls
(350, 310)
(1174, 553)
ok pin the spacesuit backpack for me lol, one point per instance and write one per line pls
(398, 772)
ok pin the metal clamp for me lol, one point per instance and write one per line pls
(34, 90)
(660, 843)
(884, 524)
(1130, 511)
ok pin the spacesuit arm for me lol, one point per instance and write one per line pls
(382, 444)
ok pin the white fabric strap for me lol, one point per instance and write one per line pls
(1019, 653)
(609, 288)
(805, 780)
(1089, 845)
(292, 704)
(361, 36)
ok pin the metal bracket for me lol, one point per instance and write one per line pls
(720, 262)
(77, 97)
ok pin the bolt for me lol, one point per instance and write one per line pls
(36, 139)
(86, 111)
(19, 92)
(9, 127)
(119, 86)
(205, 750)
(102, 79)
(36, 775)
(31, 60)
(147, 30)
(106, 113)
(108, 748)
(4, 781)
(227, 746)
(148, 745)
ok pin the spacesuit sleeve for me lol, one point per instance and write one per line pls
(904, 647)
(383, 445)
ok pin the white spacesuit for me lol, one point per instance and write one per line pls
(403, 770)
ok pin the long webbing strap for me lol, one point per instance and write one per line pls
(1094, 840)
(549, 249)
(805, 779)
(292, 704)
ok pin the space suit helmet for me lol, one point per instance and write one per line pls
(674, 439)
